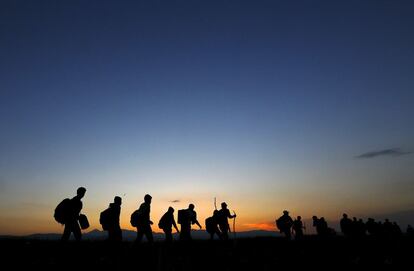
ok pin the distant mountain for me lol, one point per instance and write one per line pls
(129, 235)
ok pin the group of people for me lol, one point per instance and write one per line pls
(68, 213)
(355, 228)
(358, 228)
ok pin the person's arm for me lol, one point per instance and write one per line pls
(147, 211)
(175, 225)
(230, 215)
(198, 224)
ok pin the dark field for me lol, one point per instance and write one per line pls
(244, 254)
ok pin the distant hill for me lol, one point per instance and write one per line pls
(129, 235)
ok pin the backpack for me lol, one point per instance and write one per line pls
(210, 225)
(83, 221)
(163, 224)
(105, 218)
(182, 216)
(136, 218)
(279, 223)
(61, 211)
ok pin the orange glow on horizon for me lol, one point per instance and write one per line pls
(267, 226)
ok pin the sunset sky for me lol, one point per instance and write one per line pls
(268, 105)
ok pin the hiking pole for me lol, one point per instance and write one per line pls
(234, 225)
(215, 203)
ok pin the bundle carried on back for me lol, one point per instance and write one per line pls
(183, 216)
(105, 218)
(61, 211)
(136, 218)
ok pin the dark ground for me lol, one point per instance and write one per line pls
(244, 254)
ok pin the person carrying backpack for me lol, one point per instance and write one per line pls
(298, 227)
(186, 218)
(284, 224)
(166, 223)
(212, 225)
(71, 213)
(109, 220)
(223, 215)
(143, 221)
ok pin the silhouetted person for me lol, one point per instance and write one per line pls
(284, 224)
(324, 230)
(114, 229)
(223, 215)
(387, 228)
(410, 230)
(361, 228)
(212, 225)
(372, 227)
(72, 216)
(318, 225)
(166, 223)
(346, 225)
(187, 218)
(396, 230)
(298, 227)
(144, 223)
(354, 227)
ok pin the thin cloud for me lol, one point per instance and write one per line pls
(175, 201)
(387, 152)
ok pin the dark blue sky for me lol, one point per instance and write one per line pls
(270, 96)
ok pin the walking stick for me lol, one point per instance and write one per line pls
(234, 225)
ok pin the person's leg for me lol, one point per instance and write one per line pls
(224, 232)
(118, 234)
(77, 231)
(66, 232)
(148, 234)
(139, 235)
(168, 236)
(185, 233)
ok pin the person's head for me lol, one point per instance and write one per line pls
(299, 217)
(170, 209)
(191, 206)
(314, 217)
(215, 213)
(224, 205)
(345, 216)
(147, 198)
(118, 200)
(285, 212)
(81, 192)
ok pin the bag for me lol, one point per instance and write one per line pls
(210, 227)
(136, 218)
(105, 219)
(279, 223)
(83, 222)
(182, 216)
(61, 211)
(163, 224)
